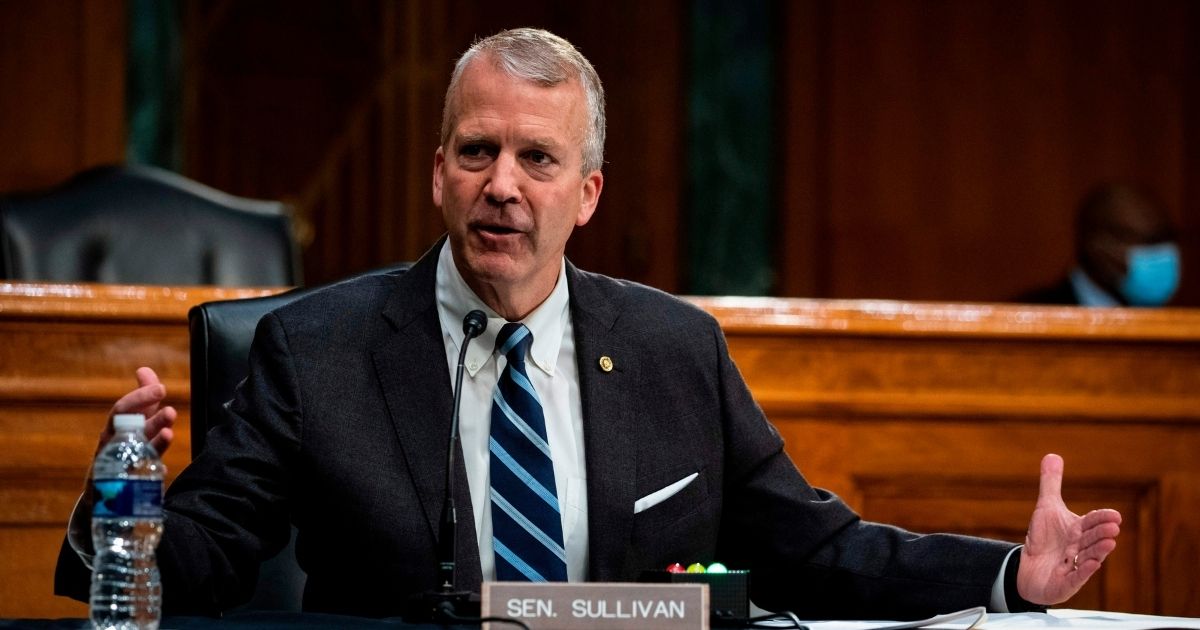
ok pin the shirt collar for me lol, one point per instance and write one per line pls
(455, 299)
(1088, 292)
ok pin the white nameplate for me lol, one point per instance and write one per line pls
(597, 605)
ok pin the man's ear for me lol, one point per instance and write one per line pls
(439, 165)
(589, 193)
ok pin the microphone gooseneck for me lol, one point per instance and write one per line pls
(474, 324)
(445, 604)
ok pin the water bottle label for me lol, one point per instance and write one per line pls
(127, 498)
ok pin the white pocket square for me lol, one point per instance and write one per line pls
(662, 494)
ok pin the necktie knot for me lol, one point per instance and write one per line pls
(514, 341)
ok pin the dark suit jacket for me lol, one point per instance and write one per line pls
(342, 428)
(1061, 292)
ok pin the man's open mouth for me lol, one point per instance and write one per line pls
(499, 230)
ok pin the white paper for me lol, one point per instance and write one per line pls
(972, 619)
(968, 619)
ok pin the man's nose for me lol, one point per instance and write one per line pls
(504, 184)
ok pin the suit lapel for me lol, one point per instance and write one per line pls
(414, 377)
(608, 426)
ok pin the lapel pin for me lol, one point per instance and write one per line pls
(606, 364)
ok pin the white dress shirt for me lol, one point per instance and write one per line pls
(1090, 293)
(555, 376)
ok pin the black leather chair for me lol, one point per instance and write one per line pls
(144, 225)
(221, 333)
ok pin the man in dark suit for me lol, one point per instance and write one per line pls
(1125, 249)
(659, 453)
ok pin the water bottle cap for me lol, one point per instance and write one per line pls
(128, 421)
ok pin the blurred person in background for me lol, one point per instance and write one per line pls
(1126, 253)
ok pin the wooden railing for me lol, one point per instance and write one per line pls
(930, 416)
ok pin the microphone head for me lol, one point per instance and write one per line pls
(474, 324)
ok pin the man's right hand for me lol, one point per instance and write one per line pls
(146, 400)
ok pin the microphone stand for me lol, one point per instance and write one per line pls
(445, 604)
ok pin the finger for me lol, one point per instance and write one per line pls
(162, 441)
(1087, 568)
(1050, 487)
(1075, 576)
(158, 428)
(144, 400)
(1093, 557)
(1098, 550)
(164, 419)
(146, 376)
(1100, 533)
(1096, 526)
(1099, 517)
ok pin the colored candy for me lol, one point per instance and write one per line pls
(676, 568)
(717, 567)
(695, 568)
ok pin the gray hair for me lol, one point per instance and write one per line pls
(543, 58)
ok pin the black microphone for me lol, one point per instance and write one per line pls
(473, 325)
(446, 603)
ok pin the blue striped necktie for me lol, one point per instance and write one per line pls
(526, 527)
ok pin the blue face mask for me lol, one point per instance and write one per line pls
(1152, 276)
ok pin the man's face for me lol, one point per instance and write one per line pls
(509, 182)
(1129, 223)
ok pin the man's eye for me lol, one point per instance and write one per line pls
(473, 151)
(540, 158)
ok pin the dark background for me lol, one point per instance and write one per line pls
(927, 150)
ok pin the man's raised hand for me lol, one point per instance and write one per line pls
(1062, 549)
(146, 400)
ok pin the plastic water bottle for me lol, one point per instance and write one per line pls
(126, 526)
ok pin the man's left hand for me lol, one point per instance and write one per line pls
(1062, 549)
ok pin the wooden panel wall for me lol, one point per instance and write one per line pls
(931, 416)
(337, 108)
(62, 89)
(937, 150)
(928, 150)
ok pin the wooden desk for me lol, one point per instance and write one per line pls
(935, 416)
(931, 416)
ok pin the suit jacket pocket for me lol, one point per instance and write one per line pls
(688, 501)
